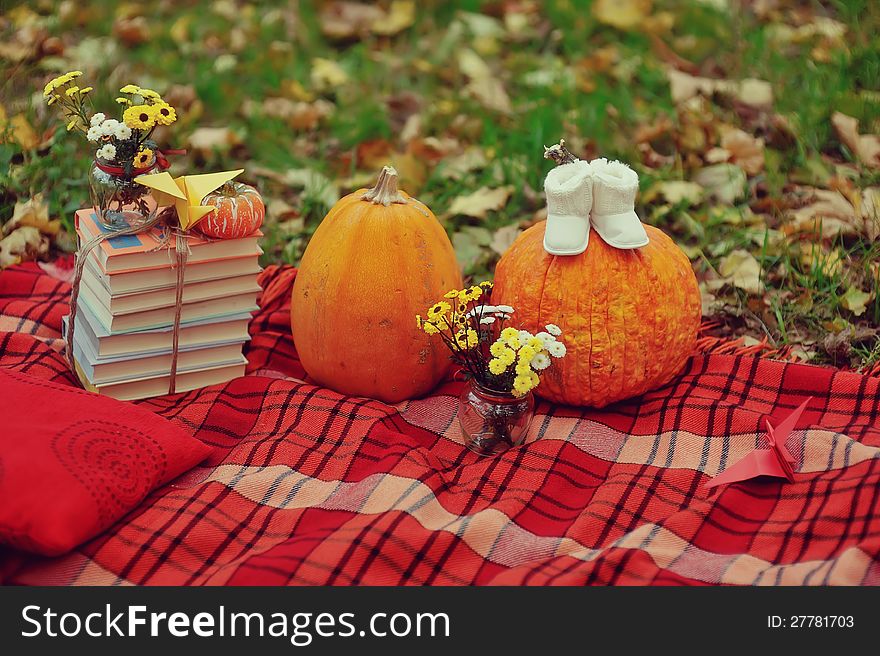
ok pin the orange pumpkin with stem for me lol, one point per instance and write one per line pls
(378, 258)
(630, 317)
(239, 212)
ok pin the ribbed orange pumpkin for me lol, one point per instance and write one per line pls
(629, 317)
(239, 211)
(378, 258)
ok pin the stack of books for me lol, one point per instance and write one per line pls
(125, 311)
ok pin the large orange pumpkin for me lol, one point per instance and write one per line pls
(629, 317)
(377, 260)
(239, 211)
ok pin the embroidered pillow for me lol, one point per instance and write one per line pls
(72, 463)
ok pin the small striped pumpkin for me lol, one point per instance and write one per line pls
(240, 211)
(629, 317)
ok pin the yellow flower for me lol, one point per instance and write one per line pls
(498, 348)
(418, 321)
(130, 88)
(534, 379)
(523, 368)
(73, 74)
(72, 124)
(471, 294)
(513, 342)
(439, 309)
(72, 91)
(86, 90)
(526, 354)
(123, 101)
(51, 100)
(509, 333)
(535, 344)
(521, 385)
(139, 117)
(507, 357)
(496, 366)
(148, 94)
(472, 338)
(59, 81)
(486, 284)
(165, 114)
(430, 328)
(452, 293)
(143, 158)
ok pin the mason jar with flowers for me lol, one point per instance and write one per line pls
(124, 149)
(502, 365)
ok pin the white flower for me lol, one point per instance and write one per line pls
(481, 310)
(94, 133)
(553, 329)
(524, 336)
(121, 131)
(503, 316)
(485, 321)
(107, 152)
(108, 127)
(505, 309)
(540, 361)
(97, 119)
(556, 349)
(546, 338)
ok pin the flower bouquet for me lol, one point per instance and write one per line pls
(502, 364)
(124, 148)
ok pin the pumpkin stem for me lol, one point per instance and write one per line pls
(228, 189)
(559, 153)
(385, 192)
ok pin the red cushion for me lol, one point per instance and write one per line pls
(73, 462)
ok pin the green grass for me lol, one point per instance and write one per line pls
(556, 89)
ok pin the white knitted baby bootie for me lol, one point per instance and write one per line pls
(569, 189)
(614, 198)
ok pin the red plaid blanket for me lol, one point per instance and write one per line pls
(309, 487)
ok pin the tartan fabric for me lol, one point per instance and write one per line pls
(306, 486)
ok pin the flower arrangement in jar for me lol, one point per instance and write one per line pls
(124, 149)
(502, 364)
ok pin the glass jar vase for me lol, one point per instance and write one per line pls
(491, 421)
(117, 199)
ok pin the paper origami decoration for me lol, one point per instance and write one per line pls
(775, 461)
(186, 192)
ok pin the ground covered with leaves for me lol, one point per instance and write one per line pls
(752, 125)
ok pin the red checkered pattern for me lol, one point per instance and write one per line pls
(306, 486)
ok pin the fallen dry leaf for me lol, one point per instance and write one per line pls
(483, 86)
(855, 300)
(21, 245)
(35, 213)
(401, 15)
(132, 31)
(479, 203)
(299, 115)
(751, 91)
(207, 141)
(327, 75)
(504, 238)
(622, 14)
(675, 192)
(745, 150)
(355, 20)
(472, 159)
(725, 182)
(742, 270)
(865, 147)
(20, 130)
(870, 212)
(829, 211)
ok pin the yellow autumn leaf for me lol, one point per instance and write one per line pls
(479, 203)
(622, 14)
